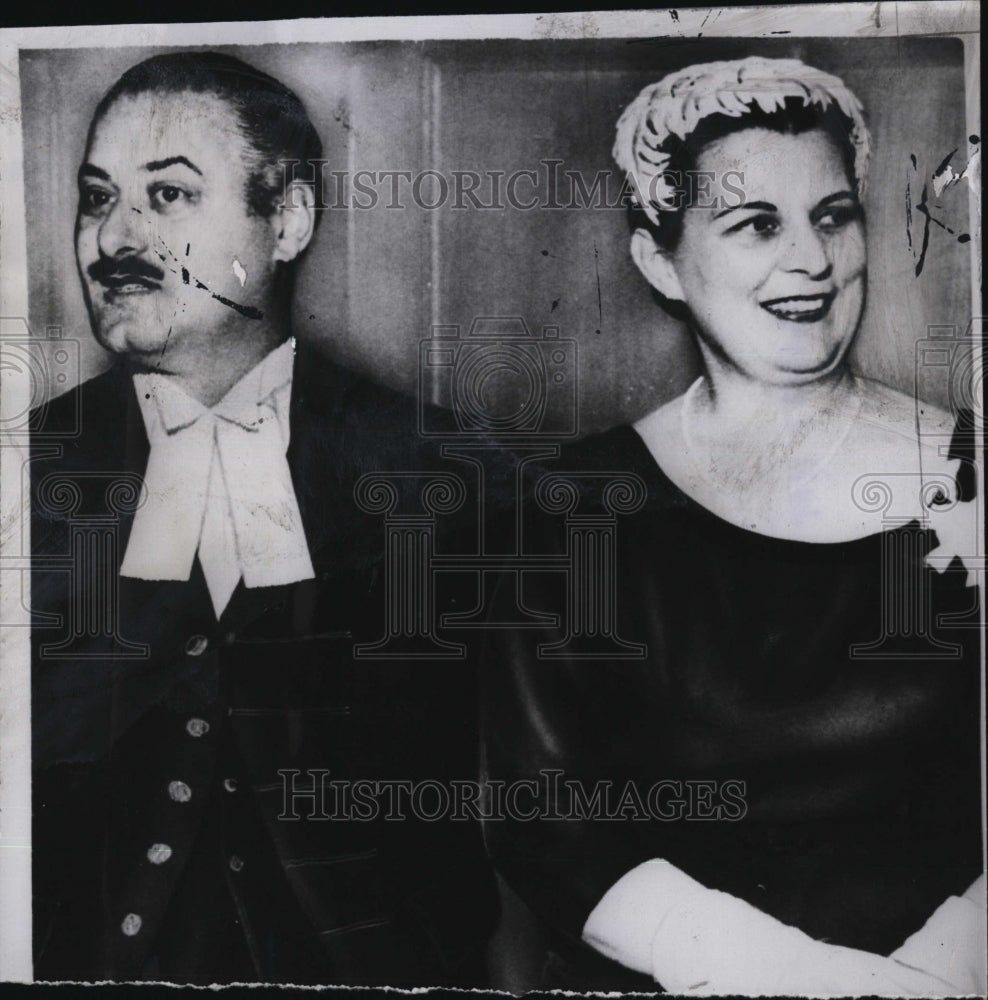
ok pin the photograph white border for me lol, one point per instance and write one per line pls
(851, 20)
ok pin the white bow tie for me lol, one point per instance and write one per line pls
(218, 483)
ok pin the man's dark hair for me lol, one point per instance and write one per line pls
(271, 118)
(793, 118)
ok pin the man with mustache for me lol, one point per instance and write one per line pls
(194, 683)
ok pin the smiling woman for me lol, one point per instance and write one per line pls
(797, 639)
(773, 286)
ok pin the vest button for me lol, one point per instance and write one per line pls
(158, 854)
(236, 863)
(179, 791)
(197, 727)
(131, 924)
(196, 645)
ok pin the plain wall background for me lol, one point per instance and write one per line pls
(375, 281)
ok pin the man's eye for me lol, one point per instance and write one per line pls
(93, 199)
(168, 194)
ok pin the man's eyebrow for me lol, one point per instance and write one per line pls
(171, 161)
(762, 206)
(88, 170)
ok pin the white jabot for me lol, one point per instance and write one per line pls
(218, 483)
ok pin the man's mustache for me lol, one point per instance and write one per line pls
(114, 272)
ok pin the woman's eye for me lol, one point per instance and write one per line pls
(761, 225)
(837, 217)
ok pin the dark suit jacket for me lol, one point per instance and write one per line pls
(163, 740)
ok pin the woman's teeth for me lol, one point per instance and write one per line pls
(802, 308)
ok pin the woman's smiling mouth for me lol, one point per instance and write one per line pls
(800, 308)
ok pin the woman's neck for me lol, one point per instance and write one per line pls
(729, 403)
(757, 443)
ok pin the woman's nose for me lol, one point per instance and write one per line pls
(123, 232)
(808, 254)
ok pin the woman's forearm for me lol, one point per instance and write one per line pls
(700, 941)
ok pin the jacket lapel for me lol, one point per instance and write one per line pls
(317, 456)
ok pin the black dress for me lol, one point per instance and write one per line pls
(802, 730)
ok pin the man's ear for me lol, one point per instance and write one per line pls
(294, 222)
(656, 265)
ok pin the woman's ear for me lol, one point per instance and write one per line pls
(657, 266)
(294, 222)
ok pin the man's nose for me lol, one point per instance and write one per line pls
(123, 231)
(808, 253)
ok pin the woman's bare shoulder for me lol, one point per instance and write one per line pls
(661, 430)
(663, 418)
(894, 420)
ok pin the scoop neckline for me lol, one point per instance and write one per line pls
(725, 526)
